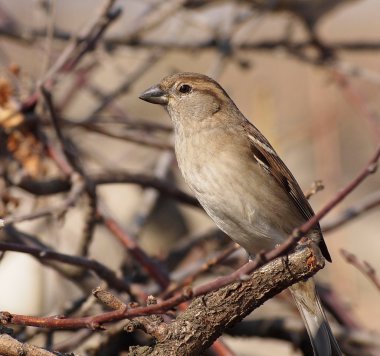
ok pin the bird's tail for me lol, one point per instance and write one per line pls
(309, 305)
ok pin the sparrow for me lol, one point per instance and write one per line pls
(240, 181)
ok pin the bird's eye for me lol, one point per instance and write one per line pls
(184, 88)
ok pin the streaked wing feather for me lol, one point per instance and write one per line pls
(265, 153)
(278, 170)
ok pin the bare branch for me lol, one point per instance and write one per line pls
(11, 347)
(54, 186)
(364, 267)
(153, 268)
(101, 270)
(199, 330)
(368, 203)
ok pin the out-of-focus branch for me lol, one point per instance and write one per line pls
(262, 45)
(140, 139)
(101, 270)
(76, 189)
(150, 196)
(54, 186)
(356, 99)
(352, 342)
(207, 265)
(152, 267)
(336, 306)
(126, 84)
(77, 49)
(368, 203)
(363, 267)
(84, 279)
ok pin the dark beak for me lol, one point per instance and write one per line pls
(155, 95)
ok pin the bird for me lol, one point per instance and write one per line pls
(240, 181)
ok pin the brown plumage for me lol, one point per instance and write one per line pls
(240, 180)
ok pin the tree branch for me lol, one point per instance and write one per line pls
(11, 347)
(363, 266)
(207, 316)
(101, 270)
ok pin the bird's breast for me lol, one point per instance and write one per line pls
(243, 199)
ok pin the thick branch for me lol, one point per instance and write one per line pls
(11, 347)
(208, 316)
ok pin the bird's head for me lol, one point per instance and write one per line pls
(189, 97)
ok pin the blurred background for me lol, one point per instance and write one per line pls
(306, 73)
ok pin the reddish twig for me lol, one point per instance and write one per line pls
(211, 262)
(363, 266)
(220, 348)
(354, 211)
(355, 97)
(153, 268)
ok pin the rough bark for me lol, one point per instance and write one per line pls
(208, 316)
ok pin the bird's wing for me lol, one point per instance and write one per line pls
(264, 152)
(267, 157)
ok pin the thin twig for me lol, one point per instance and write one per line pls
(152, 267)
(101, 270)
(126, 85)
(363, 266)
(368, 203)
(356, 98)
(140, 139)
(76, 50)
(76, 190)
(150, 195)
(77, 173)
(204, 267)
(54, 186)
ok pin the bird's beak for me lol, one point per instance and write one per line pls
(155, 95)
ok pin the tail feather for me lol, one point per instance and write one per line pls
(309, 305)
